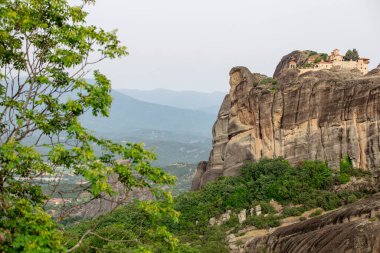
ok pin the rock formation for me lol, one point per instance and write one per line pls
(321, 115)
(354, 228)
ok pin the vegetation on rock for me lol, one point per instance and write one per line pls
(298, 188)
(309, 185)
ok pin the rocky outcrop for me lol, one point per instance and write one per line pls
(354, 228)
(322, 115)
(282, 68)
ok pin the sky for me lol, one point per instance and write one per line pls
(193, 44)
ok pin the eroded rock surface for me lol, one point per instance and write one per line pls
(322, 115)
(354, 228)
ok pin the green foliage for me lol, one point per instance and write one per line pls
(266, 208)
(316, 213)
(278, 180)
(344, 178)
(317, 60)
(211, 240)
(317, 174)
(302, 218)
(309, 184)
(293, 211)
(270, 80)
(262, 222)
(133, 228)
(319, 57)
(346, 171)
(26, 228)
(46, 50)
(308, 65)
(351, 198)
(325, 57)
(352, 55)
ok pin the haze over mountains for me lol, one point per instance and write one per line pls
(178, 135)
(193, 100)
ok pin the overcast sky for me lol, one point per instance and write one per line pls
(192, 44)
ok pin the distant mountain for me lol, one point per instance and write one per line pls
(129, 115)
(206, 102)
(177, 135)
(210, 109)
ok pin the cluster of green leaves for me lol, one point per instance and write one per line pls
(324, 57)
(137, 227)
(311, 53)
(270, 80)
(46, 51)
(262, 222)
(352, 55)
(320, 57)
(308, 65)
(347, 170)
(27, 228)
(316, 213)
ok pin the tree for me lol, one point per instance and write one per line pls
(355, 55)
(352, 55)
(46, 52)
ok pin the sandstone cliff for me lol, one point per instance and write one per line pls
(322, 115)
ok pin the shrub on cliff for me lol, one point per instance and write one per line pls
(277, 179)
(309, 183)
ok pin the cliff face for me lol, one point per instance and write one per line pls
(322, 115)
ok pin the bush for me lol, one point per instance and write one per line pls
(316, 174)
(308, 65)
(267, 208)
(302, 218)
(270, 80)
(317, 60)
(351, 199)
(316, 213)
(293, 211)
(324, 56)
(346, 170)
(261, 222)
(344, 178)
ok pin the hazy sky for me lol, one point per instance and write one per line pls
(192, 44)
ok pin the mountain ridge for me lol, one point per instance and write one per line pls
(192, 100)
(175, 134)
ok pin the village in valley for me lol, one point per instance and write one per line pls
(315, 62)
